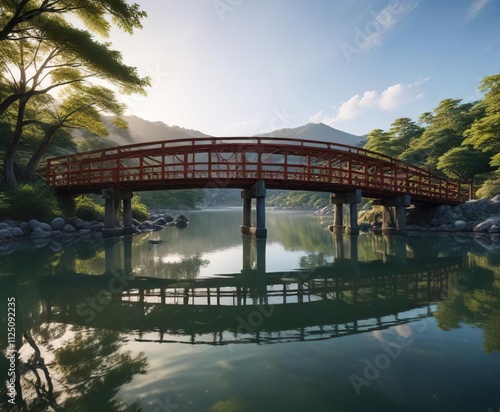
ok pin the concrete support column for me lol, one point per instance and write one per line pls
(112, 200)
(338, 216)
(353, 227)
(260, 230)
(127, 215)
(116, 212)
(257, 191)
(386, 218)
(400, 218)
(247, 212)
(399, 203)
(109, 210)
(338, 200)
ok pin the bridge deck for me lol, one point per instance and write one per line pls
(237, 162)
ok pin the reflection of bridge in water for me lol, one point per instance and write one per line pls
(342, 298)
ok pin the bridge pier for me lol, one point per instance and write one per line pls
(399, 204)
(112, 201)
(258, 192)
(338, 201)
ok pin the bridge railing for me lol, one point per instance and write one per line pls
(294, 163)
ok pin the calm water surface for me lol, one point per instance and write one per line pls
(203, 319)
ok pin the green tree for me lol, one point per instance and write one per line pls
(20, 18)
(380, 141)
(484, 134)
(80, 109)
(402, 132)
(445, 129)
(58, 56)
(464, 163)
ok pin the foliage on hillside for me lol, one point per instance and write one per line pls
(298, 199)
(173, 199)
(461, 140)
(48, 68)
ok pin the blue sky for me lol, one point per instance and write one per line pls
(243, 67)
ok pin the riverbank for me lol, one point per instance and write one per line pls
(60, 228)
(480, 216)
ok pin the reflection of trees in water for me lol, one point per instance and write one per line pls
(475, 300)
(298, 231)
(86, 373)
(187, 268)
(314, 260)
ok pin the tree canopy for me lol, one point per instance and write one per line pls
(49, 68)
(459, 139)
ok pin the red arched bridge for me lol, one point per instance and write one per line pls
(251, 164)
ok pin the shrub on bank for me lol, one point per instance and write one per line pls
(489, 189)
(4, 205)
(88, 209)
(139, 209)
(31, 201)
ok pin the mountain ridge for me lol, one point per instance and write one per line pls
(319, 132)
(141, 131)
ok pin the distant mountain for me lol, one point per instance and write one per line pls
(145, 131)
(141, 130)
(320, 132)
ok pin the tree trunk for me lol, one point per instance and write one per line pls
(471, 189)
(9, 178)
(29, 171)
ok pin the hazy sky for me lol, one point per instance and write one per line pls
(243, 67)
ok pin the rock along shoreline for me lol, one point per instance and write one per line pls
(69, 228)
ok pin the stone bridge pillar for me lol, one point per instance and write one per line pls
(338, 201)
(112, 200)
(399, 204)
(258, 192)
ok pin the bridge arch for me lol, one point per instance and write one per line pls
(243, 162)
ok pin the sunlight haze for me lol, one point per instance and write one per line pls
(245, 67)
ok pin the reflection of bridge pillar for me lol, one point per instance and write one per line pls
(247, 253)
(112, 198)
(338, 200)
(259, 261)
(261, 270)
(257, 191)
(352, 242)
(399, 203)
(110, 256)
(395, 250)
(338, 242)
(261, 256)
(127, 255)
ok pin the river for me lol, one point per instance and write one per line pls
(205, 319)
